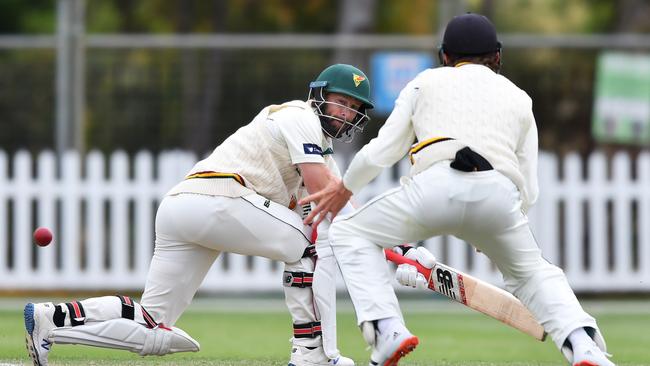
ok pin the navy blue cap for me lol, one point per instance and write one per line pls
(470, 34)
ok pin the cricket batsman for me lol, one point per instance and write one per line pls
(474, 176)
(241, 199)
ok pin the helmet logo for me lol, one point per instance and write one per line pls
(357, 79)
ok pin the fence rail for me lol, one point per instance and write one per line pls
(102, 211)
(320, 41)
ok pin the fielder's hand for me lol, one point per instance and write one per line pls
(330, 200)
(408, 275)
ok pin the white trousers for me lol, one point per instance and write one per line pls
(192, 230)
(482, 208)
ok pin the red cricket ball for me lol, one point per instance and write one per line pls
(42, 236)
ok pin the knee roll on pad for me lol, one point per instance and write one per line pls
(299, 274)
(297, 280)
(304, 265)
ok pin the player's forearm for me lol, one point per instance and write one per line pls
(315, 176)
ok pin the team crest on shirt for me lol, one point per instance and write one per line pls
(312, 149)
(357, 79)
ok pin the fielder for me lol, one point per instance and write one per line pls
(241, 199)
(474, 176)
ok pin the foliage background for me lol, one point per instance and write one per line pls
(158, 99)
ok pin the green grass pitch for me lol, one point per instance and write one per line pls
(257, 332)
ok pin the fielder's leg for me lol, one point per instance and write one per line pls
(496, 225)
(357, 241)
(544, 289)
(324, 289)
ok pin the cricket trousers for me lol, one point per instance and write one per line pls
(193, 229)
(482, 208)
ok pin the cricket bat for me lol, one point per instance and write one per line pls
(476, 294)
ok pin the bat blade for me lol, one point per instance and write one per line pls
(476, 294)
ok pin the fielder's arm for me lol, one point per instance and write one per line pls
(476, 294)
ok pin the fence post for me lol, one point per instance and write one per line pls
(643, 218)
(70, 244)
(22, 245)
(47, 190)
(544, 215)
(143, 219)
(573, 236)
(96, 217)
(597, 192)
(119, 216)
(622, 191)
(5, 189)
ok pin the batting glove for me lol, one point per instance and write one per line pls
(421, 255)
(408, 275)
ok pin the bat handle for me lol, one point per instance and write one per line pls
(400, 259)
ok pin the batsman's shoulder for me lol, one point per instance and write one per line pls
(300, 108)
(295, 111)
(300, 104)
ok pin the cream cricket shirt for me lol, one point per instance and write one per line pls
(264, 154)
(471, 104)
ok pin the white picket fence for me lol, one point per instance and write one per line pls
(102, 212)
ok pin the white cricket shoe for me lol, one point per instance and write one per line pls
(591, 356)
(388, 347)
(304, 356)
(38, 324)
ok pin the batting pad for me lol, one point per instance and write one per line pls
(127, 335)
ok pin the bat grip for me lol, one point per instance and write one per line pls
(400, 259)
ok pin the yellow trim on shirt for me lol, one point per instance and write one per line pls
(425, 143)
(211, 175)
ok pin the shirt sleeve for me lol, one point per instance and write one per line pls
(302, 133)
(527, 156)
(392, 143)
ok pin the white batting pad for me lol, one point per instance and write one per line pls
(127, 335)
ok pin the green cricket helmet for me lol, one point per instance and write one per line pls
(346, 80)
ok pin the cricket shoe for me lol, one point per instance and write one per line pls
(315, 356)
(38, 324)
(591, 356)
(390, 346)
